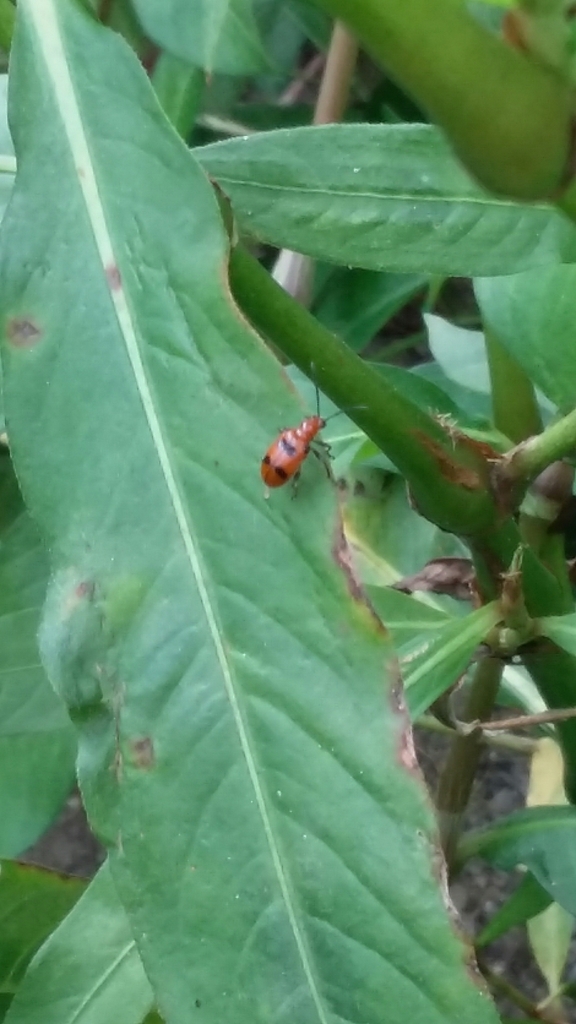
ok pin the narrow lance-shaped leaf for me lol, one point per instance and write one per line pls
(238, 753)
(383, 197)
(432, 666)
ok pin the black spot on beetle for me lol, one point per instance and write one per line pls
(287, 447)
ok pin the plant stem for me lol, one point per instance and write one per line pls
(337, 77)
(524, 721)
(530, 458)
(515, 410)
(294, 271)
(7, 16)
(446, 478)
(517, 744)
(514, 994)
(457, 776)
(508, 117)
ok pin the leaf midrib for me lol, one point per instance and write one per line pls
(43, 16)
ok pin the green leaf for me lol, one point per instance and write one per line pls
(532, 315)
(88, 971)
(390, 539)
(216, 35)
(550, 936)
(407, 618)
(33, 902)
(430, 666)
(475, 405)
(37, 741)
(543, 839)
(355, 304)
(382, 197)
(527, 900)
(238, 754)
(561, 629)
(460, 353)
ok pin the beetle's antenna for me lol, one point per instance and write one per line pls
(339, 412)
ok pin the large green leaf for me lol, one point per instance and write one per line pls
(216, 35)
(88, 971)
(33, 901)
(37, 741)
(383, 197)
(543, 839)
(238, 753)
(533, 315)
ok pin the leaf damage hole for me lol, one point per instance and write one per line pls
(142, 753)
(22, 332)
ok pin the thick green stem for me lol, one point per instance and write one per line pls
(554, 443)
(508, 117)
(447, 482)
(514, 405)
(459, 771)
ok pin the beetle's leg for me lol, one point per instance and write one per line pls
(295, 480)
(322, 452)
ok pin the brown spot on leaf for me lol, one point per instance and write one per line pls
(343, 558)
(22, 332)
(142, 752)
(114, 277)
(406, 753)
(83, 591)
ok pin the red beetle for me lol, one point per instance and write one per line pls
(284, 458)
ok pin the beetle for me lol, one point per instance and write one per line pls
(285, 456)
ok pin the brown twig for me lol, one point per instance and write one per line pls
(294, 91)
(520, 722)
(336, 80)
(517, 744)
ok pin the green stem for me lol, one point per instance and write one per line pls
(530, 458)
(508, 117)
(505, 988)
(447, 481)
(518, 744)
(457, 777)
(7, 16)
(514, 405)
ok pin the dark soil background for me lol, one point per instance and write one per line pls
(500, 788)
